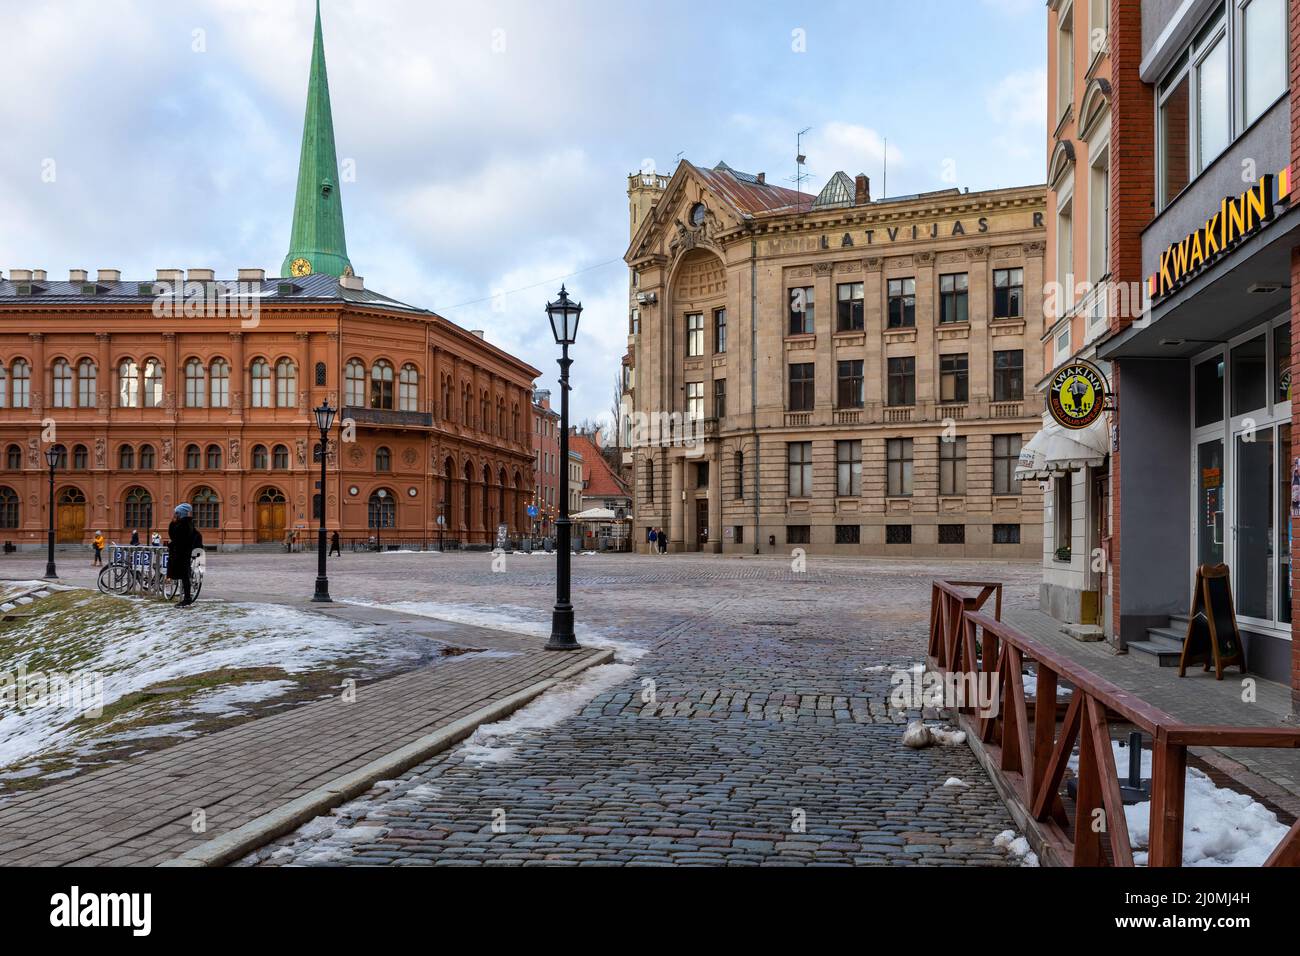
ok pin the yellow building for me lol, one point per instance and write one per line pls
(833, 373)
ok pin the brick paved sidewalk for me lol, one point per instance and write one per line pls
(1196, 699)
(141, 812)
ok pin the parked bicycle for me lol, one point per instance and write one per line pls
(142, 569)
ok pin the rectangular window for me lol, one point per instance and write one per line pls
(799, 456)
(1250, 376)
(848, 534)
(848, 468)
(719, 398)
(902, 381)
(953, 302)
(898, 534)
(1213, 99)
(848, 384)
(695, 335)
(1174, 130)
(739, 534)
(702, 475)
(1209, 392)
(1008, 293)
(797, 534)
(802, 397)
(898, 467)
(802, 311)
(1006, 534)
(1006, 452)
(1264, 53)
(1063, 515)
(720, 331)
(1009, 376)
(952, 466)
(902, 303)
(694, 401)
(849, 315)
(954, 378)
(952, 534)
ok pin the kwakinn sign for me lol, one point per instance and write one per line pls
(1237, 219)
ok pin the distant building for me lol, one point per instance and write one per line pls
(575, 481)
(546, 462)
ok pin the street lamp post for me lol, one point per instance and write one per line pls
(324, 420)
(52, 457)
(379, 521)
(564, 314)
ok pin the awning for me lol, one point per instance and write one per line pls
(1055, 450)
(593, 514)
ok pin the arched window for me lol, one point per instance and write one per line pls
(280, 458)
(87, 384)
(260, 458)
(8, 507)
(71, 496)
(214, 458)
(138, 513)
(383, 459)
(286, 384)
(22, 384)
(322, 374)
(128, 384)
(261, 375)
(408, 394)
(193, 457)
(382, 509)
(355, 384)
(14, 458)
(80, 457)
(62, 376)
(207, 508)
(4, 386)
(196, 385)
(126, 458)
(146, 458)
(219, 376)
(61, 462)
(381, 385)
(153, 384)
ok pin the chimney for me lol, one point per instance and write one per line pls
(352, 282)
(862, 190)
(38, 275)
(76, 275)
(478, 333)
(110, 275)
(252, 275)
(762, 179)
(20, 275)
(171, 275)
(202, 275)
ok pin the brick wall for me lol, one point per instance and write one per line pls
(1295, 346)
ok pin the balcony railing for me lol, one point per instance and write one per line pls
(1006, 409)
(388, 417)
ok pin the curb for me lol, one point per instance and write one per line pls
(262, 830)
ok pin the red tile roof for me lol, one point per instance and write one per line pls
(597, 477)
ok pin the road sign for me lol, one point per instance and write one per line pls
(532, 511)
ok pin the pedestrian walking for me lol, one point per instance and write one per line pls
(156, 540)
(334, 545)
(182, 540)
(663, 542)
(97, 542)
(653, 538)
(135, 537)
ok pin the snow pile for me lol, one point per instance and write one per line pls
(920, 735)
(490, 743)
(1016, 847)
(955, 782)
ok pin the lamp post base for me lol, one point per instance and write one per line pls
(50, 573)
(322, 595)
(562, 638)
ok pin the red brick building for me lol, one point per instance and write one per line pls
(546, 462)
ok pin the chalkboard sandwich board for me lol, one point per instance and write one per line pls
(1212, 634)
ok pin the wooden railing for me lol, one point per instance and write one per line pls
(1031, 750)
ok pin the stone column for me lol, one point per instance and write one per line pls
(715, 500)
(40, 380)
(238, 374)
(676, 511)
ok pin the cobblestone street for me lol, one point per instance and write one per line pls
(765, 741)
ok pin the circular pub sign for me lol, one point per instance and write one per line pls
(1077, 396)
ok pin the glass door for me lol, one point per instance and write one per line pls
(1253, 526)
(1209, 502)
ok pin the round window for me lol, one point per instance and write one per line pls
(698, 212)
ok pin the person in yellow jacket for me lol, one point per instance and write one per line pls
(97, 542)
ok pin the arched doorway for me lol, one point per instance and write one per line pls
(381, 510)
(272, 515)
(71, 523)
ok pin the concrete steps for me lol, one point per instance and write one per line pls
(1165, 644)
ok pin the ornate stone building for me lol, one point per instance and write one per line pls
(833, 373)
(186, 388)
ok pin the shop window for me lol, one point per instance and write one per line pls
(1006, 534)
(797, 534)
(1250, 376)
(898, 534)
(1282, 363)
(1063, 514)
(952, 534)
(848, 534)
(1209, 391)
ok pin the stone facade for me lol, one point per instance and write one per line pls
(719, 413)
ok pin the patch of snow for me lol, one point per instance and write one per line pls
(920, 735)
(229, 700)
(955, 782)
(1016, 847)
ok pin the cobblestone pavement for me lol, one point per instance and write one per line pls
(766, 740)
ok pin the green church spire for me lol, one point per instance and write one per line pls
(317, 243)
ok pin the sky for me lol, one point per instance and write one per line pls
(486, 145)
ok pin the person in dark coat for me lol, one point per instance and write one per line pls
(135, 537)
(182, 539)
(334, 545)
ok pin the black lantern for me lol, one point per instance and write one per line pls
(52, 456)
(564, 315)
(324, 421)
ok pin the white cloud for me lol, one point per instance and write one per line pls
(1019, 99)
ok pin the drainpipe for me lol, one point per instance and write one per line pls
(753, 376)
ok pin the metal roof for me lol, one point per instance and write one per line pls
(747, 194)
(838, 193)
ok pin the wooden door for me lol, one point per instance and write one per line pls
(71, 522)
(270, 521)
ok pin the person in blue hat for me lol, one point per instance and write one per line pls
(182, 539)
